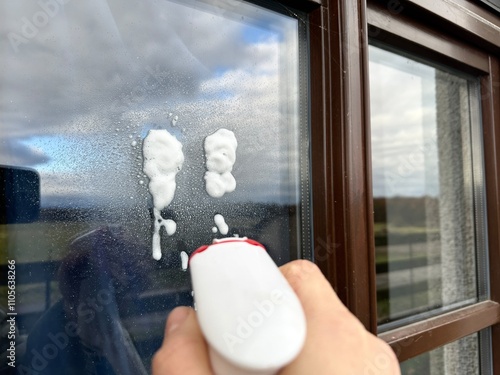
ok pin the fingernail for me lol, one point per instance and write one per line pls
(177, 317)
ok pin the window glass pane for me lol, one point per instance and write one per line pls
(150, 128)
(457, 358)
(426, 185)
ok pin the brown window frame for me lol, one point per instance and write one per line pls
(419, 38)
(466, 37)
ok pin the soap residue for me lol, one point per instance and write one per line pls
(220, 153)
(184, 260)
(163, 159)
(170, 226)
(221, 224)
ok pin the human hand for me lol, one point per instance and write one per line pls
(336, 343)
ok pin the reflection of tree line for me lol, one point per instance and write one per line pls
(272, 224)
(403, 227)
(244, 209)
(60, 214)
(405, 219)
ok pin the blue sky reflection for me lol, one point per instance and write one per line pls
(65, 91)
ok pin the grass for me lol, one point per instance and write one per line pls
(401, 235)
(401, 304)
(37, 242)
(49, 241)
(43, 241)
(381, 229)
(404, 236)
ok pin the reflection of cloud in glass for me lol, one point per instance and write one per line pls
(403, 121)
(75, 98)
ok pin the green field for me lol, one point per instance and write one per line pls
(38, 242)
(45, 241)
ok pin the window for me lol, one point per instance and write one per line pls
(300, 90)
(215, 90)
(460, 357)
(428, 189)
(439, 46)
(432, 184)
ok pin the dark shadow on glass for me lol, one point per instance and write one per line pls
(102, 324)
(19, 195)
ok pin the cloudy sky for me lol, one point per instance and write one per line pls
(403, 121)
(82, 83)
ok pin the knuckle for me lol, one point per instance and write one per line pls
(300, 269)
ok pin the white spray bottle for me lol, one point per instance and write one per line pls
(250, 316)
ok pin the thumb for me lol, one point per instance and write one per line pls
(184, 350)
